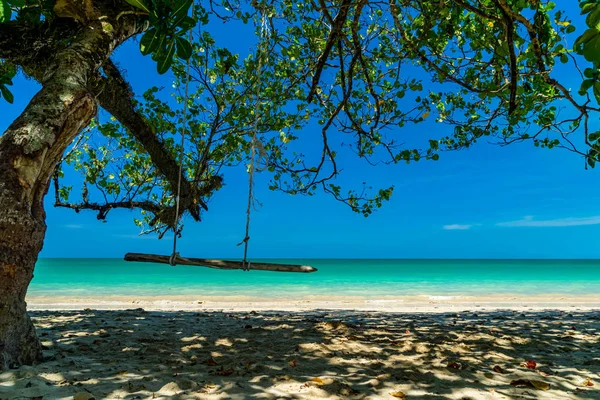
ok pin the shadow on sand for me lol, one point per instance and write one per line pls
(134, 354)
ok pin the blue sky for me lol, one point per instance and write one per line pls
(485, 202)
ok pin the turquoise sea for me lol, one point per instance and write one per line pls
(369, 278)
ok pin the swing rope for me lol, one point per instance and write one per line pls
(255, 145)
(175, 254)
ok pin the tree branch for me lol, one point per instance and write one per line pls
(509, 28)
(336, 29)
(114, 96)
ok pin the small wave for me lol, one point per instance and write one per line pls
(384, 301)
(441, 298)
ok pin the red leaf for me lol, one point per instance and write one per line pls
(530, 364)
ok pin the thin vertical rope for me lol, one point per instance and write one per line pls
(253, 145)
(175, 254)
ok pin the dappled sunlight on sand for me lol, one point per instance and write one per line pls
(134, 354)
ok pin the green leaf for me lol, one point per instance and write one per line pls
(585, 85)
(587, 8)
(7, 94)
(563, 58)
(139, 4)
(597, 91)
(593, 19)
(590, 49)
(165, 58)
(592, 137)
(186, 23)
(4, 11)
(180, 11)
(184, 48)
(581, 41)
(150, 41)
(591, 162)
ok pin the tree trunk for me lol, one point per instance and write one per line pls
(30, 150)
(21, 238)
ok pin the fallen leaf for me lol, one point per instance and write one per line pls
(498, 369)
(530, 364)
(588, 382)
(454, 365)
(398, 395)
(318, 381)
(520, 383)
(293, 363)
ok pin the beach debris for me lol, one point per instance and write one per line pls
(293, 363)
(498, 369)
(398, 395)
(529, 364)
(588, 382)
(454, 365)
(539, 385)
(318, 381)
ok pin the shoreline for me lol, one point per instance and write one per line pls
(423, 303)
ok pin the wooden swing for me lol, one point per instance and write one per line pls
(245, 265)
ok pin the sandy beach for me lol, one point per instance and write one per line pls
(444, 349)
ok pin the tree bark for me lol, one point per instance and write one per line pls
(29, 152)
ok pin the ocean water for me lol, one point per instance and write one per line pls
(371, 279)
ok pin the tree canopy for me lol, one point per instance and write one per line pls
(359, 70)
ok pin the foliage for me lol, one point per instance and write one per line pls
(349, 76)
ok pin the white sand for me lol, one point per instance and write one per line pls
(424, 352)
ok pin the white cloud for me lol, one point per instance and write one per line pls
(529, 221)
(457, 227)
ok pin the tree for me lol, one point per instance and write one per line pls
(356, 68)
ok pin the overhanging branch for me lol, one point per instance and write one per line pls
(114, 96)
